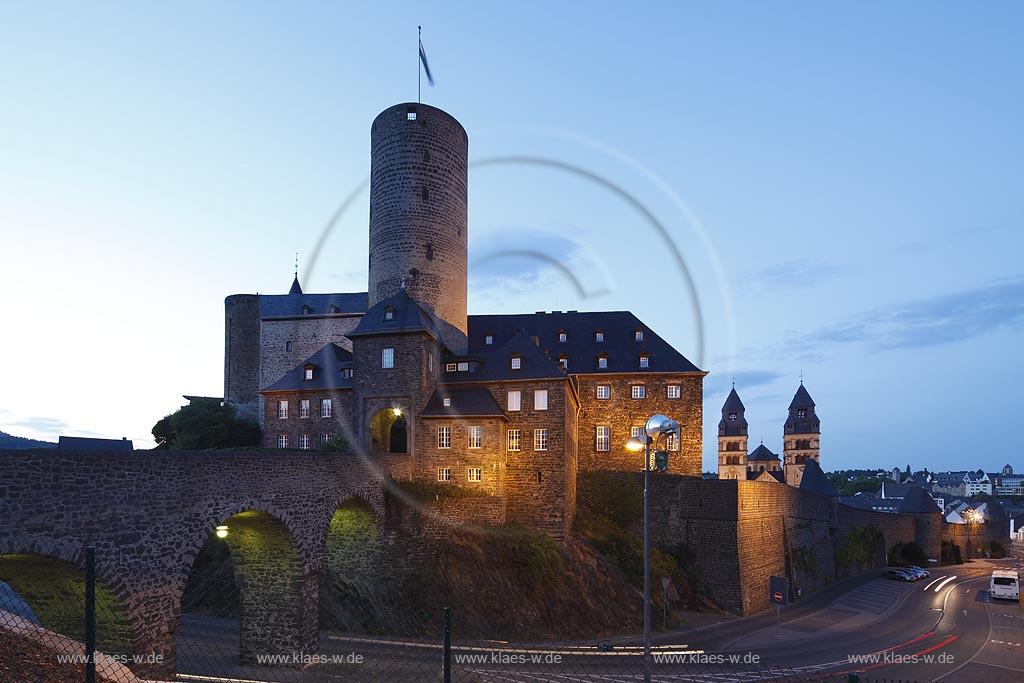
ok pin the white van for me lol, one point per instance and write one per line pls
(1005, 585)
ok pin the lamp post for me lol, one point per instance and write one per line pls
(657, 425)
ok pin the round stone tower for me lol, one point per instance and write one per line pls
(418, 199)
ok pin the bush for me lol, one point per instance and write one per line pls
(203, 425)
(337, 444)
(903, 554)
(951, 553)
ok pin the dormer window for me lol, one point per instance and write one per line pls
(447, 402)
(599, 336)
(638, 335)
(307, 373)
(564, 362)
(602, 362)
(563, 336)
(332, 309)
(306, 310)
(489, 340)
(389, 313)
(450, 367)
(645, 361)
(516, 363)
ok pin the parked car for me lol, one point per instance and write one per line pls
(916, 572)
(920, 569)
(897, 575)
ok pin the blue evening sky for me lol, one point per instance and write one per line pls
(840, 181)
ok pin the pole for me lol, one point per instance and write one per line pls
(446, 665)
(647, 559)
(778, 609)
(419, 67)
(90, 615)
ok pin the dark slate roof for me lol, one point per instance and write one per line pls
(737, 427)
(802, 399)
(327, 364)
(407, 316)
(291, 305)
(948, 478)
(994, 511)
(581, 347)
(815, 481)
(917, 501)
(296, 287)
(976, 476)
(856, 502)
(534, 363)
(891, 490)
(466, 401)
(81, 443)
(762, 453)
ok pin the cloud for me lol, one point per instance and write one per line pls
(932, 321)
(720, 383)
(50, 426)
(798, 273)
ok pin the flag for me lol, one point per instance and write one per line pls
(426, 67)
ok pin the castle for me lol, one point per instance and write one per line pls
(510, 406)
(801, 443)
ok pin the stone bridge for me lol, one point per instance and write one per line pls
(149, 513)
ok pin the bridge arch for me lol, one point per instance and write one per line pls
(265, 580)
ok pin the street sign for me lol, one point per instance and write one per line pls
(778, 590)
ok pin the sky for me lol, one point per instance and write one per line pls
(825, 189)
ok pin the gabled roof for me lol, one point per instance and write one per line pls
(327, 363)
(815, 481)
(292, 305)
(82, 443)
(733, 402)
(802, 399)
(465, 401)
(534, 363)
(581, 346)
(917, 501)
(776, 475)
(406, 316)
(762, 453)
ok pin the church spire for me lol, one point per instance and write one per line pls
(296, 287)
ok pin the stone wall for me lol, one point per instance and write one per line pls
(343, 409)
(242, 355)
(972, 537)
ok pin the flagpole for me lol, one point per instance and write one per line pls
(419, 69)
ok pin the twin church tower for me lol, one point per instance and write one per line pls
(800, 443)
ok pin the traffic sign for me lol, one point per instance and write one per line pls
(778, 590)
(778, 597)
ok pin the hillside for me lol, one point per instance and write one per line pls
(11, 441)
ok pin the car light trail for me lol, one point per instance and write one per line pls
(943, 584)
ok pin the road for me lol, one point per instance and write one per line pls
(943, 629)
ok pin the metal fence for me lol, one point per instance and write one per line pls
(52, 613)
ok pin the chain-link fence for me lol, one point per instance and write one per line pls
(52, 612)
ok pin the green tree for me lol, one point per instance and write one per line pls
(203, 425)
(336, 444)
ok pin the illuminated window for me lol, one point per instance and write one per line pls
(515, 401)
(444, 437)
(604, 391)
(639, 391)
(513, 439)
(540, 399)
(450, 367)
(475, 474)
(604, 438)
(326, 406)
(672, 442)
(304, 408)
(387, 358)
(476, 437)
(674, 391)
(282, 410)
(540, 439)
(444, 473)
(304, 441)
(282, 441)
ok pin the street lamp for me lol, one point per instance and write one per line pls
(657, 426)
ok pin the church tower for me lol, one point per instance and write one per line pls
(801, 436)
(732, 439)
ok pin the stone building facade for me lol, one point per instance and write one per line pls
(510, 406)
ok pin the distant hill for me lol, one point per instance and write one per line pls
(9, 441)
